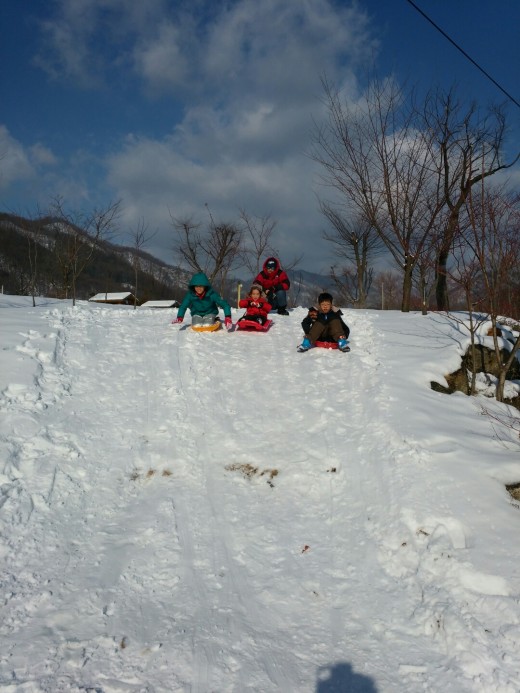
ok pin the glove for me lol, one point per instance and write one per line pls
(278, 287)
(177, 320)
(254, 303)
(228, 323)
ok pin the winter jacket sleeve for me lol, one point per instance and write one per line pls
(282, 281)
(186, 301)
(307, 323)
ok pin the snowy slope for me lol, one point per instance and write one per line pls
(216, 512)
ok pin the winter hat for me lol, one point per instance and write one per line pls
(324, 297)
(257, 286)
(270, 263)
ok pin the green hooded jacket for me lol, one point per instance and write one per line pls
(207, 304)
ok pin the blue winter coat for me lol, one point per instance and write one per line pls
(208, 304)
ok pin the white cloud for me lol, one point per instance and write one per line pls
(203, 47)
(247, 74)
(15, 162)
(84, 40)
(42, 156)
(156, 181)
(243, 140)
(160, 62)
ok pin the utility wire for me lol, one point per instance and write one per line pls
(464, 53)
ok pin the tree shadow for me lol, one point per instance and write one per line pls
(341, 678)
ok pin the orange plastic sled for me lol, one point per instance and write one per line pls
(207, 328)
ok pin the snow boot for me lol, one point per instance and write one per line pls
(283, 311)
(342, 345)
(305, 345)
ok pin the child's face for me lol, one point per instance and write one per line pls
(325, 306)
(255, 294)
(199, 290)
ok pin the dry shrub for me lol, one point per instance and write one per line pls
(514, 490)
(247, 470)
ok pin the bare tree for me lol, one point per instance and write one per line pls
(78, 237)
(33, 232)
(382, 163)
(469, 148)
(190, 245)
(33, 247)
(464, 271)
(214, 252)
(494, 240)
(356, 242)
(258, 232)
(387, 285)
(140, 236)
(424, 275)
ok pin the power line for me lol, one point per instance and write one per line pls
(464, 53)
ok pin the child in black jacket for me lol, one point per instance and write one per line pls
(328, 326)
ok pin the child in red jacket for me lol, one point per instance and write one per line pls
(256, 305)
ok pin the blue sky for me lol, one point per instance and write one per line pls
(171, 105)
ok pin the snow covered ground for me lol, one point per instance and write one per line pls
(219, 513)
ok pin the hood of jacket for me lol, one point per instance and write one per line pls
(199, 279)
(260, 289)
(272, 259)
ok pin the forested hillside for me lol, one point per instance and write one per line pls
(41, 257)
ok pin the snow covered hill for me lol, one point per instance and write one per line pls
(185, 512)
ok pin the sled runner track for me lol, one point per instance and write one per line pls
(227, 607)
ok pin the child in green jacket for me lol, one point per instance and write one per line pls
(203, 302)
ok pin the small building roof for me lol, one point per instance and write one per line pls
(111, 297)
(160, 304)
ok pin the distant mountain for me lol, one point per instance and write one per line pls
(305, 287)
(40, 251)
(44, 252)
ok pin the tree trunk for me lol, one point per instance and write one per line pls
(441, 285)
(407, 284)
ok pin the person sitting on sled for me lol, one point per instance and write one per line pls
(275, 282)
(203, 302)
(256, 305)
(328, 326)
(309, 321)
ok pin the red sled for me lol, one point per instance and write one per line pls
(326, 345)
(253, 325)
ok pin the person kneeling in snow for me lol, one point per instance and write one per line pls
(275, 282)
(328, 326)
(256, 305)
(203, 302)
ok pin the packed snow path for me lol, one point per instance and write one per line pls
(217, 512)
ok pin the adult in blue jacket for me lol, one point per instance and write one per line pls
(203, 302)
